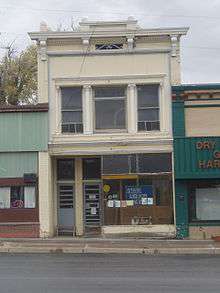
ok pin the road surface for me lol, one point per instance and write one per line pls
(47, 273)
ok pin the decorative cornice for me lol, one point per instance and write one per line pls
(100, 34)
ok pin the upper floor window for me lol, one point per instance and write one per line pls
(71, 108)
(110, 108)
(148, 107)
(108, 46)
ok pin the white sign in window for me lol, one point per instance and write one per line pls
(208, 204)
(29, 197)
(4, 197)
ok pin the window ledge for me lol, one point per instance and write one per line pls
(200, 224)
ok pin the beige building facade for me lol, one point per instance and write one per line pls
(108, 169)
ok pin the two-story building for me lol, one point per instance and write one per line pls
(108, 168)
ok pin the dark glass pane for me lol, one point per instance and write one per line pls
(101, 92)
(71, 116)
(148, 126)
(65, 169)
(110, 114)
(79, 128)
(17, 197)
(71, 98)
(148, 95)
(119, 164)
(92, 168)
(154, 163)
(148, 115)
(108, 46)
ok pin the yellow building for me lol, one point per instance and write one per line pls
(108, 168)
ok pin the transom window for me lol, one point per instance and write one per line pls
(148, 107)
(71, 108)
(108, 46)
(110, 108)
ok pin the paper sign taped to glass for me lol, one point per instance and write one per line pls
(141, 195)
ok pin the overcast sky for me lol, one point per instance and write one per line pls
(200, 48)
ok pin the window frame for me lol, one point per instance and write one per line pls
(158, 108)
(22, 187)
(124, 98)
(77, 110)
(192, 201)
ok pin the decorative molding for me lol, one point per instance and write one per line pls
(130, 42)
(174, 45)
(43, 49)
(88, 79)
(108, 52)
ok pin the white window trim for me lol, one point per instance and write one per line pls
(88, 127)
(123, 130)
(159, 106)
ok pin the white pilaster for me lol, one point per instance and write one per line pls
(132, 108)
(45, 195)
(87, 109)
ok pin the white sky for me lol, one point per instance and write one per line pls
(200, 48)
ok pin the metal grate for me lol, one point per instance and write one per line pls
(66, 197)
(92, 204)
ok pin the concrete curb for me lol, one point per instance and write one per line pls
(86, 249)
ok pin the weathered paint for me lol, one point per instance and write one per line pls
(23, 131)
(187, 158)
(14, 165)
(181, 201)
(178, 119)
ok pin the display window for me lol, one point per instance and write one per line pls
(137, 200)
(205, 202)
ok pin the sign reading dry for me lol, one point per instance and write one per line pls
(209, 146)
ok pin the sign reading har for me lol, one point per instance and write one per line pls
(214, 162)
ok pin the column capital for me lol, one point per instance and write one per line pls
(132, 85)
(87, 87)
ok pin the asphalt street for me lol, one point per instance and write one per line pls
(108, 273)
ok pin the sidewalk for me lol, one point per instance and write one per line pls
(99, 245)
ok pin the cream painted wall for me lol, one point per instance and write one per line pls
(106, 70)
(102, 65)
(203, 121)
(45, 185)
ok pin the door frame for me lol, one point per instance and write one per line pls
(66, 183)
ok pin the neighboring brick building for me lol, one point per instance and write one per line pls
(23, 134)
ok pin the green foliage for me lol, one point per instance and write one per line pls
(18, 77)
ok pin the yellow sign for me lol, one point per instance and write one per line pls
(106, 188)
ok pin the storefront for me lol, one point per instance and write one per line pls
(196, 111)
(197, 173)
(118, 191)
(19, 173)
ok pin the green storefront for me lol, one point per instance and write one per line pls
(197, 179)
